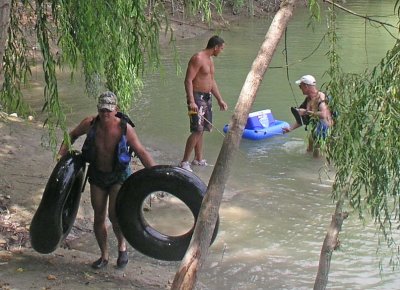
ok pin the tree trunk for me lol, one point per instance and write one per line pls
(186, 276)
(330, 244)
(4, 22)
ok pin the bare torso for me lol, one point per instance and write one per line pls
(319, 104)
(203, 80)
(108, 134)
(312, 105)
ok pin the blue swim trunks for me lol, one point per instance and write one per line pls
(203, 119)
(321, 130)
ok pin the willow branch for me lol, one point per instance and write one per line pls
(359, 15)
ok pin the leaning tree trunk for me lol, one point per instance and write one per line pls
(186, 276)
(4, 22)
(330, 244)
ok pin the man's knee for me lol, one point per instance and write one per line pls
(112, 215)
(99, 219)
(195, 135)
(113, 218)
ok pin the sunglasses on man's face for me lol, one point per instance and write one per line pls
(104, 111)
(302, 85)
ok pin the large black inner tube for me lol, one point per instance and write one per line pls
(182, 184)
(59, 206)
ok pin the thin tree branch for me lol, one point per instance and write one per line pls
(359, 15)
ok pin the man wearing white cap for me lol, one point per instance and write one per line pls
(314, 110)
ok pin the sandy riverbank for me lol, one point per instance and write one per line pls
(25, 168)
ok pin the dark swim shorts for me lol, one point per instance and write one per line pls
(105, 180)
(203, 119)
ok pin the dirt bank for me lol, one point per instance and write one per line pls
(25, 168)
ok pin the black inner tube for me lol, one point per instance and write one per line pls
(139, 233)
(58, 208)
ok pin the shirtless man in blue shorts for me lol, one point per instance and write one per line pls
(106, 172)
(200, 86)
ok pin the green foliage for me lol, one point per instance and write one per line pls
(55, 115)
(315, 12)
(204, 6)
(115, 43)
(16, 66)
(112, 42)
(364, 144)
(237, 4)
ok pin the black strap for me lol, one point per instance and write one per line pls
(297, 116)
(126, 118)
(123, 126)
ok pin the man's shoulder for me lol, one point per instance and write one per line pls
(200, 56)
(89, 120)
(323, 98)
(196, 58)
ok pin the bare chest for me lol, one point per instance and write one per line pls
(313, 104)
(107, 140)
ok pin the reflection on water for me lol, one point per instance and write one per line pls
(276, 206)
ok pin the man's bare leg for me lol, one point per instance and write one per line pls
(112, 213)
(98, 198)
(113, 217)
(190, 145)
(198, 149)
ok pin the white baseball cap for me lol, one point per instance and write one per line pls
(307, 79)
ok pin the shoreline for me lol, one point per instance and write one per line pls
(26, 167)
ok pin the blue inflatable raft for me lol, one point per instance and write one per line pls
(261, 125)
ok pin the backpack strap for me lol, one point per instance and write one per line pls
(88, 152)
(124, 121)
(305, 119)
(123, 126)
(95, 119)
(326, 100)
(303, 105)
(125, 117)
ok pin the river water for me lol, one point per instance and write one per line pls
(276, 207)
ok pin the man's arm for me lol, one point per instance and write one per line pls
(140, 150)
(215, 91)
(191, 72)
(323, 112)
(291, 128)
(78, 131)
